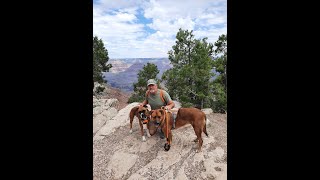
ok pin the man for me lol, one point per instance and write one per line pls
(156, 99)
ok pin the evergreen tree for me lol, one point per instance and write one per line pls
(220, 83)
(189, 80)
(100, 59)
(149, 71)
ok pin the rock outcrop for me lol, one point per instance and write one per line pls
(120, 119)
(117, 154)
(121, 155)
(103, 109)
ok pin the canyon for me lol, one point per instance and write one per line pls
(124, 72)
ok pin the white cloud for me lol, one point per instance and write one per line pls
(117, 23)
(118, 4)
(211, 34)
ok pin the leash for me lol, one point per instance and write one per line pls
(166, 115)
(167, 118)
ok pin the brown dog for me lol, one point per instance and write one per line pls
(143, 114)
(163, 119)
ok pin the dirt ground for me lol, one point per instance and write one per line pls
(121, 155)
(117, 94)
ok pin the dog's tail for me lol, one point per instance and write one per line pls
(205, 126)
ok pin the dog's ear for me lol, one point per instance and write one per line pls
(135, 109)
(147, 112)
(161, 111)
(151, 112)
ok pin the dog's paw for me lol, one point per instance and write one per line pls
(148, 134)
(143, 138)
(130, 131)
(166, 147)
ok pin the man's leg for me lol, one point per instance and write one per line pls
(174, 115)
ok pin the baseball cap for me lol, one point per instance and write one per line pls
(151, 81)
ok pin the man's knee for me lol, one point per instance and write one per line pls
(173, 116)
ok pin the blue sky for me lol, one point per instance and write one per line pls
(147, 28)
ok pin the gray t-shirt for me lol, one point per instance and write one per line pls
(155, 101)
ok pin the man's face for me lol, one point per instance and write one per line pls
(153, 88)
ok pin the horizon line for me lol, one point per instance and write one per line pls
(139, 58)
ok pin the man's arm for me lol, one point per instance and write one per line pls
(170, 105)
(143, 103)
(168, 99)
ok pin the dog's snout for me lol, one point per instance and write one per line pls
(143, 116)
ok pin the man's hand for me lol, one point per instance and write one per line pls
(143, 103)
(170, 105)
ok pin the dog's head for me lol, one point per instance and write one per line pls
(157, 117)
(144, 113)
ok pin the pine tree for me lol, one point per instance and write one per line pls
(100, 59)
(220, 83)
(149, 71)
(188, 80)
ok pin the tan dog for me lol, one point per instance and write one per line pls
(143, 114)
(163, 119)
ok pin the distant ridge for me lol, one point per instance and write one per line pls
(125, 71)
